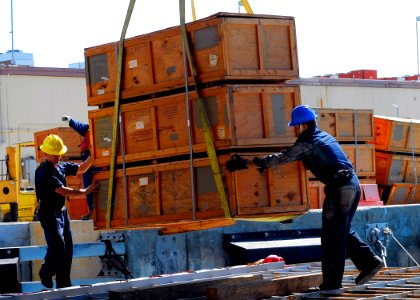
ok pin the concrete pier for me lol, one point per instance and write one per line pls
(148, 253)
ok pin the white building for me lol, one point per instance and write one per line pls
(34, 99)
(17, 57)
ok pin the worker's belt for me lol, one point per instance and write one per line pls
(343, 176)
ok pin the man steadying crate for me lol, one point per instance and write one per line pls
(323, 156)
(51, 192)
(83, 129)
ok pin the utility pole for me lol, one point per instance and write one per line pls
(13, 45)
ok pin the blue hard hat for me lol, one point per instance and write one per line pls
(302, 114)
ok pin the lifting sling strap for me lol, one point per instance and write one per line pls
(208, 135)
(120, 50)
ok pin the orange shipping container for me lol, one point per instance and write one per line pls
(224, 46)
(163, 193)
(239, 115)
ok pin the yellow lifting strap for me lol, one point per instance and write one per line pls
(208, 135)
(247, 7)
(120, 50)
(193, 10)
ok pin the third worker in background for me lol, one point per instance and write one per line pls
(83, 130)
(324, 157)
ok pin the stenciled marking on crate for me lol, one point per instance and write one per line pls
(103, 132)
(206, 38)
(98, 68)
(279, 113)
(210, 104)
(398, 133)
(395, 174)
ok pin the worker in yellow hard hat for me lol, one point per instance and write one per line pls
(51, 192)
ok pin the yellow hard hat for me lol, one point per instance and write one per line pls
(53, 145)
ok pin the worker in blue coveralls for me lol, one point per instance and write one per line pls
(323, 156)
(51, 192)
(83, 130)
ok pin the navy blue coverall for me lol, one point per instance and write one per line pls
(55, 221)
(323, 156)
(83, 130)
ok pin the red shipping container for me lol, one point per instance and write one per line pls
(365, 74)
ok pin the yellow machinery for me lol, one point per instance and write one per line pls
(17, 201)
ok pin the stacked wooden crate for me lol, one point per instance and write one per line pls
(76, 205)
(397, 142)
(241, 63)
(353, 129)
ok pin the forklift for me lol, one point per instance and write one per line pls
(17, 193)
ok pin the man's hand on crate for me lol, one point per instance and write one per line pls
(236, 163)
(260, 163)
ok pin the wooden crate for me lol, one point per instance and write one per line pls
(224, 46)
(393, 168)
(240, 116)
(397, 134)
(362, 157)
(403, 193)
(101, 73)
(369, 196)
(69, 136)
(163, 193)
(76, 205)
(347, 124)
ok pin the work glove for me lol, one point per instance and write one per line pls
(260, 163)
(236, 163)
(66, 119)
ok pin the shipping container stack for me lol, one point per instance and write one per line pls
(353, 129)
(76, 205)
(397, 142)
(241, 62)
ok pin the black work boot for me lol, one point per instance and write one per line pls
(370, 271)
(46, 280)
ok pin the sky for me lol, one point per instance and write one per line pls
(333, 36)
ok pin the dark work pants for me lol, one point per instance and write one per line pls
(338, 240)
(59, 240)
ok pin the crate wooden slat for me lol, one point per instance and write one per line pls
(240, 116)
(397, 134)
(224, 46)
(342, 123)
(69, 136)
(362, 157)
(162, 192)
(392, 168)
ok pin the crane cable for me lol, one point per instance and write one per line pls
(120, 54)
(208, 135)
